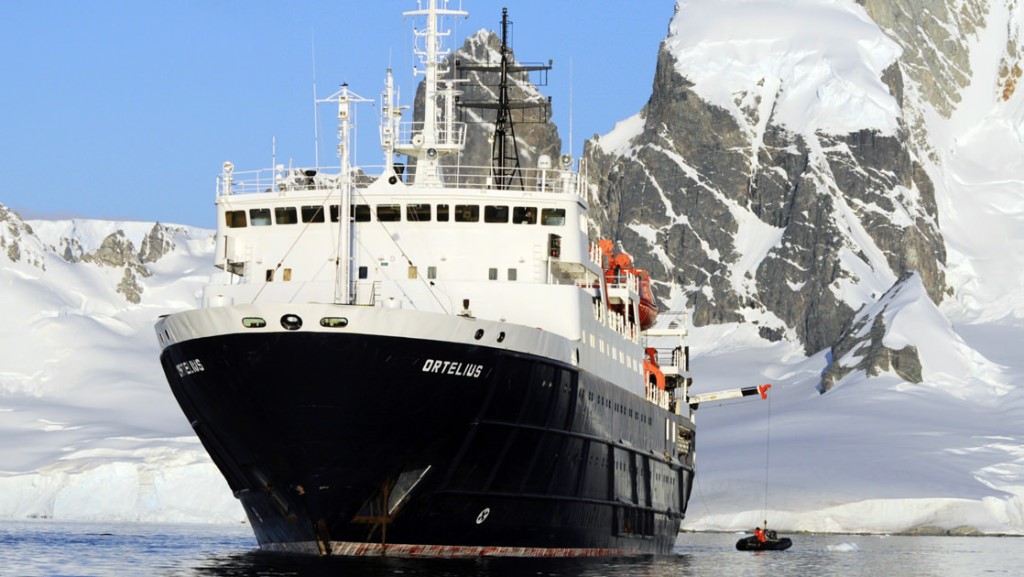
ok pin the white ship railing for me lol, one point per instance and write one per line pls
(556, 180)
(625, 282)
(668, 339)
(660, 397)
(448, 134)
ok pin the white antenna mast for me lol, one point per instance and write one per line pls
(345, 98)
(316, 120)
(433, 139)
(570, 107)
(390, 120)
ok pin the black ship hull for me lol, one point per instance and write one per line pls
(363, 444)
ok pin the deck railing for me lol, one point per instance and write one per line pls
(453, 176)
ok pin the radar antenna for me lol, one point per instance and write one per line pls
(504, 148)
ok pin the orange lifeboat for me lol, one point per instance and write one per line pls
(652, 369)
(648, 307)
(616, 267)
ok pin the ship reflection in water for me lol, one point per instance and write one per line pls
(46, 548)
(695, 555)
(273, 565)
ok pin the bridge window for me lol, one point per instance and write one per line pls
(524, 215)
(286, 215)
(417, 212)
(389, 212)
(312, 214)
(467, 213)
(552, 216)
(495, 213)
(259, 216)
(235, 218)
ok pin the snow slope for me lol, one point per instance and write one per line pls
(824, 57)
(873, 454)
(88, 427)
(89, 430)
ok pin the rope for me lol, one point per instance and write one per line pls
(295, 241)
(429, 285)
(767, 454)
(700, 493)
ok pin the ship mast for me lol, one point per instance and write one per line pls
(345, 99)
(439, 134)
(505, 167)
(390, 120)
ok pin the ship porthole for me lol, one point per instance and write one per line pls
(483, 515)
(479, 334)
(501, 336)
(253, 323)
(291, 322)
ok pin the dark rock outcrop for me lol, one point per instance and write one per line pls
(155, 244)
(861, 347)
(700, 190)
(17, 240)
(117, 251)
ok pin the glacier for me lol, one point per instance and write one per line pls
(90, 431)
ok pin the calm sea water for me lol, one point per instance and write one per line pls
(46, 548)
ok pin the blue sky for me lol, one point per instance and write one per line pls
(126, 109)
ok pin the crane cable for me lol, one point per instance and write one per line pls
(767, 455)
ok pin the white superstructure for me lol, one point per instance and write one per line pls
(432, 235)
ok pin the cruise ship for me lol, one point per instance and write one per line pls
(431, 359)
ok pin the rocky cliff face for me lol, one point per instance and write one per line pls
(935, 38)
(691, 188)
(18, 242)
(117, 251)
(1011, 61)
(795, 232)
(861, 346)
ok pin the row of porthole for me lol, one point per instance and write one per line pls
(293, 322)
(480, 334)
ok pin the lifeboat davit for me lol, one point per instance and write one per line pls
(616, 269)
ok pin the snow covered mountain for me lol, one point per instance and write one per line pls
(840, 184)
(834, 189)
(88, 427)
